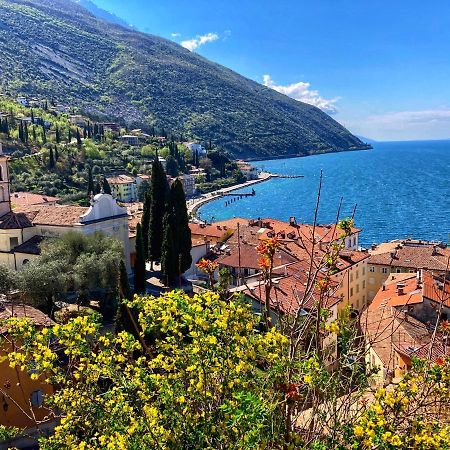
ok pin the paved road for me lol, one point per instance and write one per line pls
(194, 204)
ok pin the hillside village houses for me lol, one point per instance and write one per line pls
(24, 228)
(250, 172)
(406, 255)
(195, 147)
(405, 320)
(125, 188)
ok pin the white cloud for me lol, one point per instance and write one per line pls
(199, 40)
(175, 35)
(301, 91)
(405, 125)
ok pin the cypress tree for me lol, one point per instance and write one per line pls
(69, 137)
(78, 138)
(44, 136)
(51, 163)
(89, 130)
(125, 316)
(169, 257)
(56, 154)
(25, 133)
(98, 188)
(21, 132)
(172, 166)
(139, 264)
(57, 135)
(32, 117)
(106, 187)
(159, 189)
(124, 286)
(145, 222)
(33, 131)
(90, 188)
(181, 231)
(85, 132)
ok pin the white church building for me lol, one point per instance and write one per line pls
(24, 228)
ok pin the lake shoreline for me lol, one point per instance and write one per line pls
(195, 204)
(296, 155)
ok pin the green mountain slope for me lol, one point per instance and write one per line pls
(58, 49)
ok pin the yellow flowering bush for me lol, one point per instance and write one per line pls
(202, 376)
(411, 415)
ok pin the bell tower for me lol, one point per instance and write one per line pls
(5, 201)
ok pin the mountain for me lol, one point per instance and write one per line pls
(366, 139)
(58, 49)
(102, 14)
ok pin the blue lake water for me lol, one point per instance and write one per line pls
(401, 189)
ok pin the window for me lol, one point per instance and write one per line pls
(351, 277)
(1, 173)
(363, 270)
(372, 269)
(364, 284)
(37, 398)
(399, 270)
(384, 270)
(357, 288)
(351, 292)
(357, 274)
(13, 242)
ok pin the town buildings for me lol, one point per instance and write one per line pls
(250, 172)
(303, 250)
(400, 323)
(123, 188)
(401, 256)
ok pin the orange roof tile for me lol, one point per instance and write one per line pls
(29, 198)
(8, 310)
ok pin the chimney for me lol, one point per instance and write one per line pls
(383, 287)
(419, 278)
(400, 288)
(292, 221)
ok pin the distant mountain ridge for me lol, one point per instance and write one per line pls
(58, 49)
(102, 13)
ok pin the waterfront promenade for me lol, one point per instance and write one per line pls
(194, 204)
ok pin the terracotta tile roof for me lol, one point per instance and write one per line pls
(254, 230)
(435, 289)
(8, 310)
(389, 328)
(15, 221)
(30, 247)
(29, 198)
(249, 257)
(412, 256)
(214, 231)
(121, 179)
(288, 295)
(63, 215)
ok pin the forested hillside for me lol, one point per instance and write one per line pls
(57, 49)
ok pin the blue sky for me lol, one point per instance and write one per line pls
(382, 68)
